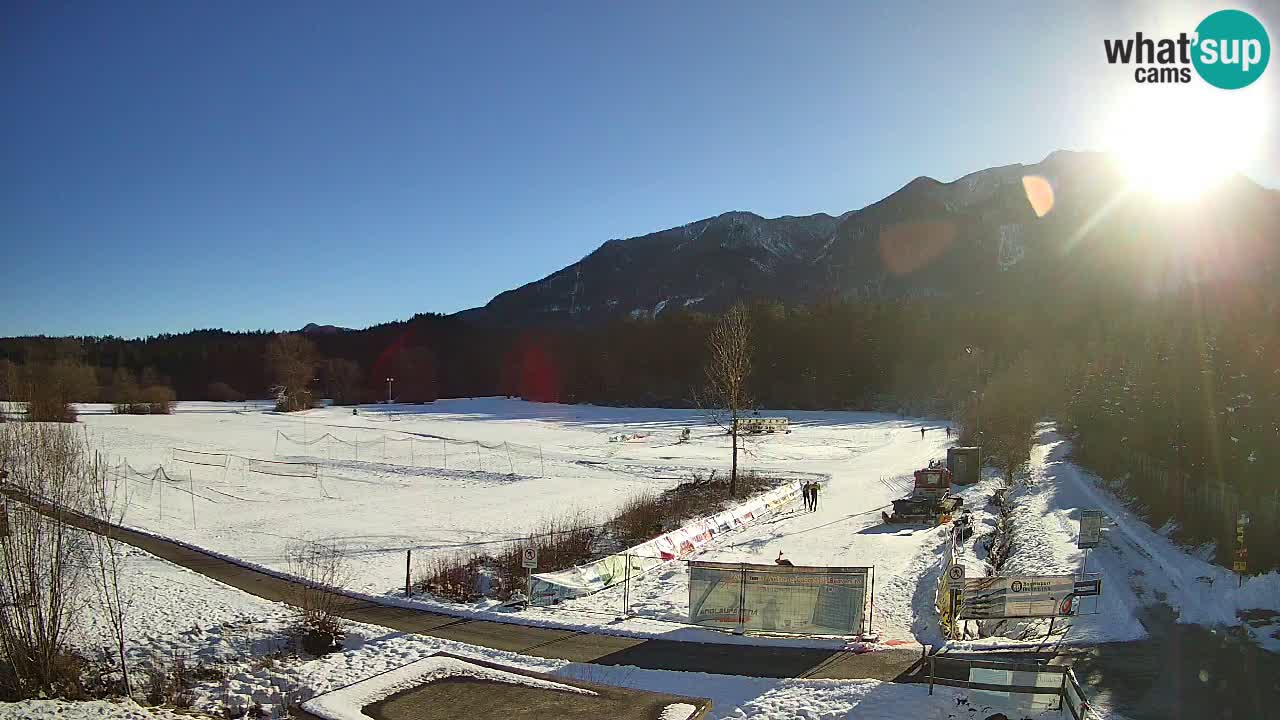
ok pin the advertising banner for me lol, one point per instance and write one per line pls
(553, 587)
(1017, 596)
(778, 598)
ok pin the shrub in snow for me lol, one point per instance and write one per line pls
(321, 566)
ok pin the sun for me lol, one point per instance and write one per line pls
(1175, 143)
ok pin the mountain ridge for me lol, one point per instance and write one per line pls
(958, 239)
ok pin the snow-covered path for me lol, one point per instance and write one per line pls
(1139, 566)
(846, 530)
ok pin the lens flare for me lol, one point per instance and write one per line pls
(1176, 143)
(1039, 194)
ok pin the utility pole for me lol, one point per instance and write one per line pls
(389, 381)
(977, 382)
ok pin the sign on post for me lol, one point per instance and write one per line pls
(1090, 528)
(955, 574)
(1240, 563)
(1017, 596)
(529, 558)
(1088, 588)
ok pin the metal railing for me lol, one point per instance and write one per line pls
(958, 672)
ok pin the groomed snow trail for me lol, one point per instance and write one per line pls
(846, 530)
(1139, 565)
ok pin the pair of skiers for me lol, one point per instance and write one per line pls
(810, 493)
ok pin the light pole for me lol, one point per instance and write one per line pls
(977, 398)
(389, 381)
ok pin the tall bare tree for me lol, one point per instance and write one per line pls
(728, 370)
(291, 359)
(108, 502)
(344, 382)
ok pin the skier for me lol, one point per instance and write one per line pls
(806, 492)
(921, 432)
(948, 431)
(813, 497)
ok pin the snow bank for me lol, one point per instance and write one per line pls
(88, 710)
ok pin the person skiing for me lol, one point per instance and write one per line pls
(948, 431)
(921, 432)
(813, 497)
(805, 491)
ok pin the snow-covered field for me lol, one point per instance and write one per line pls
(591, 458)
(565, 458)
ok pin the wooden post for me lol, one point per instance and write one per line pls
(542, 462)
(871, 614)
(408, 555)
(930, 674)
(191, 484)
(626, 590)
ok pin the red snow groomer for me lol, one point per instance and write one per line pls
(930, 502)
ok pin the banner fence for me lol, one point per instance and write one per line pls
(779, 598)
(553, 587)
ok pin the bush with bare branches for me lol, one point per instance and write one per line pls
(561, 542)
(50, 390)
(223, 392)
(321, 567)
(44, 568)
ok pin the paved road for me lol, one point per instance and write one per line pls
(749, 660)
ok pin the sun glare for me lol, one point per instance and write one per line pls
(1176, 145)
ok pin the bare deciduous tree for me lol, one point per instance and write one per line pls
(8, 380)
(291, 359)
(344, 383)
(728, 370)
(108, 560)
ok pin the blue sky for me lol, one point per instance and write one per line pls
(170, 165)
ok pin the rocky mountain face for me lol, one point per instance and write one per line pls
(1052, 224)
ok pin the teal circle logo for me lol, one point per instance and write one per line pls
(1232, 49)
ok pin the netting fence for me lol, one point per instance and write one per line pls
(416, 451)
(134, 485)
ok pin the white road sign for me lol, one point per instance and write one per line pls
(529, 558)
(1090, 528)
